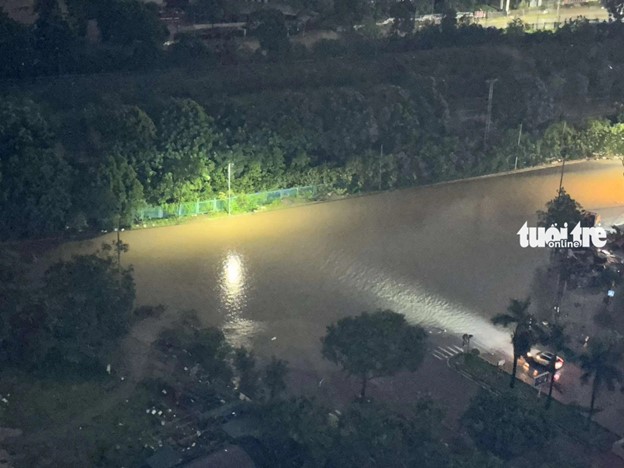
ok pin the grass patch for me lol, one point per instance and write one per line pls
(34, 403)
(121, 435)
(569, 419)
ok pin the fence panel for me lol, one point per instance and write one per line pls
(243, 201)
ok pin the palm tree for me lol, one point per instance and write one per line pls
(601, 363)
(556, 337)
(522, 336)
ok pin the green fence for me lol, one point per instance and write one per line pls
(245, 202)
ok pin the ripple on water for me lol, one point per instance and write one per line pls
(417, 304)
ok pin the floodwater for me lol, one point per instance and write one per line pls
(446, 256)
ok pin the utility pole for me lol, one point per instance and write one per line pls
(519, 137)
(380, 158)
(229, 189)
(565, 127)
(118, 248)
(561, 178)
(488, 121)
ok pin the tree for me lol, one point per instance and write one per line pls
(300, 432)
(558, 341)
(448, 24)
(600, 364)
(54, 39)
(210, 349)
(561, 210)
(373, 435)
(403, 14)
(615, 9)
(245, 364)
(16, 48)
(522, 336)
(35, 178)
(186, 137)
(274, 377)
(125, 22)
(89, 303)
(503, 425)
(23, 335)
(516, 28)
(373, 345)
(350, 12)
(270, 28)
(115, 194)
(295, 431)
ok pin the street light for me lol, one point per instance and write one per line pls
(229, 188)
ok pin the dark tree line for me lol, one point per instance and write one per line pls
(76, 316)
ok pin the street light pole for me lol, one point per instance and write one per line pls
(229, 189)
(380, 158)
(565, 127)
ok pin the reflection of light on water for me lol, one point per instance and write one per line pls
(421, 307)
(233, 284)
(233, 269)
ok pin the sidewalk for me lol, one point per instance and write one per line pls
(570, 391)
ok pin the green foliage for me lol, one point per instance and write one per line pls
(203, 350)
(372, 345)
(35, 179)
(350, 12)
(123, 22)
(372, 435)
(245, 364)
(274, 378)
(300, 432)
(600, 364)
(296, 430)
(186, 137)
(561, 210)
(524, 334)
(76, 317)
(89, 302)
(350, 123)
(403, 14)
(115, 194)
(501, 424)
(516, 28)
(270, 28)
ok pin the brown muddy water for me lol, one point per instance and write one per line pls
(446, 256)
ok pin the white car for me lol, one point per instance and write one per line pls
(545, 358)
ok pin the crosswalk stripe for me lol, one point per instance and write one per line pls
(449, 352)
(459, 350)
(439, 356)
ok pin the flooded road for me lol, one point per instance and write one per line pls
(446, 256)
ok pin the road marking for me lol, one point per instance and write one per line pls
(443, 353)
(450, 352)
